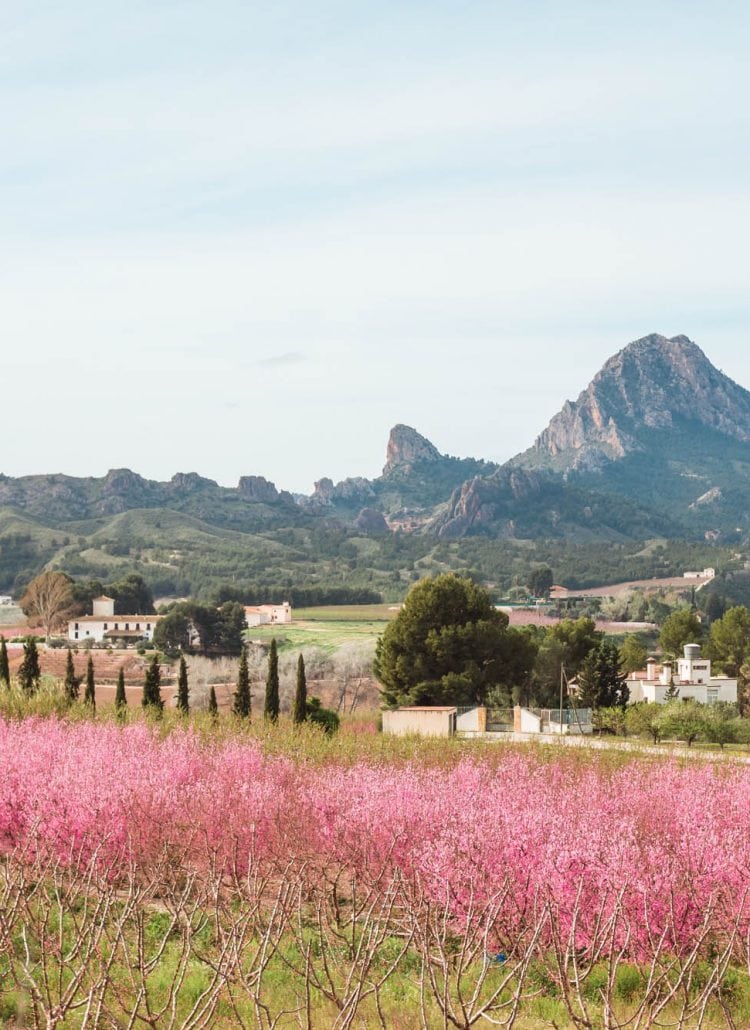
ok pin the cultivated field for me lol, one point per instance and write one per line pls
(225, 875)
(329, 628)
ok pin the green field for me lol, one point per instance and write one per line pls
(328, 628)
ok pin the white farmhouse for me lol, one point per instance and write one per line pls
(104, 625)
(268, 614)
(691, 679)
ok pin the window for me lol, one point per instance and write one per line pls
(127, 625)
(137, 625)
(712, 695)
(105, 625)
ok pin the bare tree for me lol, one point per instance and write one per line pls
(48, 600)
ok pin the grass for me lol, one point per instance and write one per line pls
(328, 628)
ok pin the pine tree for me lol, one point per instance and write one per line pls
(29, 672)
(299, 711)
(72, 683)
(183, 692)
(152, 686)
(213, 705)
(271, 707)
(89, 695)
(121, 699)
(242, 699)
(4, 663)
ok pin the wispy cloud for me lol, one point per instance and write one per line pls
(290, 357)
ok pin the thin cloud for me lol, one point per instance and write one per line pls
(290, 357)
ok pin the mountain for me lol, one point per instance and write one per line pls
(662, 425)
(652, 387)
(657, 447)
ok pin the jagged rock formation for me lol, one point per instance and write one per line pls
(407, 448)
(653, 385)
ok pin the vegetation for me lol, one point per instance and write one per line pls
(449, 644)
(89, 694)
(299, 708)
(183, 691)
(271, 704)
(4, 663)
(29, 672)
(242, 701)
(152, 698)
(121, 698)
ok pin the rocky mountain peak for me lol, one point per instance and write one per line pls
(653, 384)
(406, 448)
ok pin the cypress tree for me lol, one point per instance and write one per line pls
(152, 686)
(183, 692)
(89, 695)
(299, 711)
(242, 700)
(72, 683)
(4, 663)
(213, 705)
(121, 699)
(271, 707)
(29, 672)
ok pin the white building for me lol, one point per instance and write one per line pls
(268, 614)
(104, 625)
(691, 679)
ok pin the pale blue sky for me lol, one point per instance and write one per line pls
(244, 238)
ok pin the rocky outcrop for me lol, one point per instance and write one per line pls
(257, 490)
(486, 502)
(371, 522)
(407, 448)
(654, 384)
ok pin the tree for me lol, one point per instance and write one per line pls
(729, 646)
(611, 720)
(540, 581)
(121, 698)
(715, 607)
(324, 717)
(299, 709)
(449, 644)
(680, 628)
(213, 705)
(183, 694)
(722, 724)
(4, 663)
(231, 627)
(172, 633)
(644, 718)
(682, 720)
(271, 707)
(72, 683)
(152, 686)
(47, 600)
(29, 672)
(132, 596)
(602, 684)
(633, 653)
(242, 705)
(89, 694)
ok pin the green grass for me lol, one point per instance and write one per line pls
(328, 628)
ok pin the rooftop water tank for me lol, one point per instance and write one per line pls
(692, 652)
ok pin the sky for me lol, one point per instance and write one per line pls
(247, 239)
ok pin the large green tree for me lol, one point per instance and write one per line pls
(729, 647)
(680, 628)
(601, 680)
(449, 644)
(271, 706)
(633, 653)
(121, 698)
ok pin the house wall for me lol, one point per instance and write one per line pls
(425, 723)
(94, 629)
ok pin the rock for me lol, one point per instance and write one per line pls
(371, 522)
(257, 490)
(406, 448)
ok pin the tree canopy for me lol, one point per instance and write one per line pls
(680, 628)
(449, 644)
